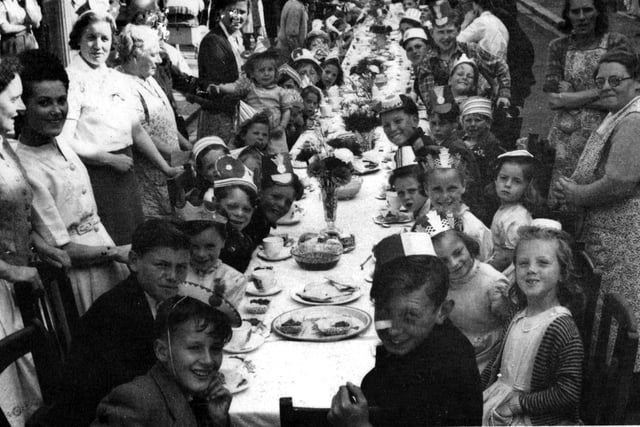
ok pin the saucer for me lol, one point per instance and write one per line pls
(255, 341)
(252, 290)
(285, 253)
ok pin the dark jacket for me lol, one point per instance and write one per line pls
(436, 384)
(113, 345)
(217, 64)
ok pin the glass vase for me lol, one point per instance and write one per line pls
(330, 206)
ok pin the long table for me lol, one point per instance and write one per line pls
(311, 372)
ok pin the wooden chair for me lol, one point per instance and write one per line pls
(295, 416)
(590, 278)
(34, 339)
(608, 376)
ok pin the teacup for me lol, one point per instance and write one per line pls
(263, 279)
(240, 335)
(325, 110)
(272, 246)
(394, 202)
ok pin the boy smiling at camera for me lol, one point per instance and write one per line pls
(184, 385)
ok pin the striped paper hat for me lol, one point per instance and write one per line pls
(402, 245)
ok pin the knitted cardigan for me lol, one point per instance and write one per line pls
(556, 381)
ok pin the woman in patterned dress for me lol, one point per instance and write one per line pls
(571, 61)
(140, 52)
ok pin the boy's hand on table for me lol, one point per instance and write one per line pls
(219, 401)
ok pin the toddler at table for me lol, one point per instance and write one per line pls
(407, 179)
(536, 378)
(445, 185)
(425, 371)
(479, 292)
(514, 187)
(189, 336)
(263, 93)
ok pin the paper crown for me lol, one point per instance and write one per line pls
(546, 223)
(402, 245)
(316, 25)
(300, 55)
(414, 33)
(212, 298)
(392, 102)
(441, 99)
(464, 59)
(331, 20)
(245, 112)
(444, 159)
(412, 15)
(276, 170)
(405, 156)
(232, 171)
(443, 13)
(203, 212)
(516, 153)
(208, 141)
(293, 98)
(432, 223)
(476, 105)
(287, 70)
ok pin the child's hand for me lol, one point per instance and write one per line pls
(564, 86)
(349, 407)
(219, 401)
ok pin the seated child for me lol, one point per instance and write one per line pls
(536, 377)
(515, 189)
(407, 179)
(180, 375)
(479, 292)
(307, 66)
(332, 74)
(254, 132)
(475, 118)
(289, 79)
(425, 371)
(262, 93)
(311, 98)
(206, 270)
(445, 186)
(191, 192)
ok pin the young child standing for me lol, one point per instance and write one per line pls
(445, 186)
(515, 189)
(189, 336)
(536, 377)
(479, 292)
(263, 93)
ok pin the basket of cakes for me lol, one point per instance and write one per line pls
(317, 251)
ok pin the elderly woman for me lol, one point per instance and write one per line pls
(571, 62)
(425, 371)
(102, 126)
(65, 212)
(19, 389)
(220, 61)
(139, 50)
(605, 182)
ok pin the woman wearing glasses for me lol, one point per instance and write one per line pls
(606, 178)
(571, 62)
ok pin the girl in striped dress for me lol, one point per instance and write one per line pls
(536, 378)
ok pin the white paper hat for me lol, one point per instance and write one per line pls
(414, 33)
(413, 15)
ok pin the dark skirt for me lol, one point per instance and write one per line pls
(13, 44)
(118, 199)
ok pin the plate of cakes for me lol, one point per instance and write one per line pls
(322, 324)
(390, 217)
(236, 373)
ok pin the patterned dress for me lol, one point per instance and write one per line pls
(158, 120)
(19, 388)
(570, 129)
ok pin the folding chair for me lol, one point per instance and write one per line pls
(590, 278)
(34, 339)
(607, 379)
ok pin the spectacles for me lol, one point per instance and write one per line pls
(614, 81)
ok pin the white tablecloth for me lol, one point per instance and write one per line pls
(311, 372)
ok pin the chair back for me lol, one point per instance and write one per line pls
(607, 379)
(590, 278)
(34, 339)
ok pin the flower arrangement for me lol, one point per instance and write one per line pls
(333, 170)
(359, 115)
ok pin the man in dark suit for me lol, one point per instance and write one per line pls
(114, 341)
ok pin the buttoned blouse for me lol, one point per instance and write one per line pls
(15, 208)
(101, 109)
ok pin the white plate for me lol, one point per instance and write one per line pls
(290, 220)
(401, 218)
(252, 290)
(347, 298)
(285, 253)
(255, 341)
(308, 316)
